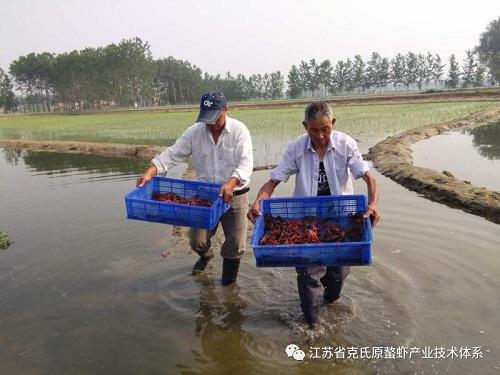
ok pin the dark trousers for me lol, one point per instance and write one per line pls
(316, 282)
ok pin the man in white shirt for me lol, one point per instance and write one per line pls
(323, 161)
(221, 148)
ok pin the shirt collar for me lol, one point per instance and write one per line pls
(227, 128)
(330, 143)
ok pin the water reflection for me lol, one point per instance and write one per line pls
(60, 163)
(218, 325)
(487, 140)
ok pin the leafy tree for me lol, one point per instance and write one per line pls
(489, 48)
(314, 82)
(397, 70)
(342, 75)
(305, 75)
(437, 69)
(32, 74)
(325, 75)
(453, 73)
(468, 68)
(479, 73)
(294, 83)
(411, 73)
(358, 72)
(7, 97)
(176, 81)
(276, 85)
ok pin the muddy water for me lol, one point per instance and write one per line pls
(469, 154)
(83, 290)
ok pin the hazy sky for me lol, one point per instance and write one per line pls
(252, 36)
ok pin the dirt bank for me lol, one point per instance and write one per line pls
(105, 149)
(393, 158)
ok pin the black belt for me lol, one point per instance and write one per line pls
(242, 191)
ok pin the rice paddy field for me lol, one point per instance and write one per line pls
(164, 128)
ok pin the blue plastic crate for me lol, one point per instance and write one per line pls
(323, 254)
(141, 206)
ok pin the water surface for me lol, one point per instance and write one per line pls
(84, 291)
(471, 154)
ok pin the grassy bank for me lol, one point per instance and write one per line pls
(4, 240)
(162, 128)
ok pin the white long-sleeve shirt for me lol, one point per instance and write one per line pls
(342, 159)
(232, 156)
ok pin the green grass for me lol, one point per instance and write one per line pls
(371, 121)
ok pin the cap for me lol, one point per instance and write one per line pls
(211, 105)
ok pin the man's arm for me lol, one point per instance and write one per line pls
(148, 175)
(265, 191)
(372, 186)
(170, 157)
(226, 190)
(244, 153)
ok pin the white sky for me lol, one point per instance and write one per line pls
(251, 36)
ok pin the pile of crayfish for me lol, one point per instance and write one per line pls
(310, 229)
(174, 198)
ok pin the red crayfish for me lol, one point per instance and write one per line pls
(280, 231)
(174, 198)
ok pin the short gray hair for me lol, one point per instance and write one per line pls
(315, 110)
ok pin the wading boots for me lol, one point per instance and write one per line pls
(230, 270)
(201, 264)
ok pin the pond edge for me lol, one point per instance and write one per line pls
(393, 158)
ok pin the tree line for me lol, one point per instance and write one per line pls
(125, 74)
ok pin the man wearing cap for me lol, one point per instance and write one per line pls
(221, 149)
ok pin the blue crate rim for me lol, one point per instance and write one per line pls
(322, 197)
(197, 182)
(176, 180)
(318, 246)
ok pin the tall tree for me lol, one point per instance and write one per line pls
(411, 73)
(305, 75)
(437, 70)
(276, 85)
(489, 49)
(468, 68)
(479, 73)
(342, 75)
(7, 97)
(397, 70)
(32, 74)
(294, 83)
(315, 80)
(358, 72)
(325, 75)
(453, 73)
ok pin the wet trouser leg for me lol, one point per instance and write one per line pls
(234, 224)
(333, 280)
(199, 241)
(310, 290)
(310, 282)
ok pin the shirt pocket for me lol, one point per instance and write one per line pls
(229, 158)
(201, 160)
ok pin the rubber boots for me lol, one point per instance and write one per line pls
(230, 269)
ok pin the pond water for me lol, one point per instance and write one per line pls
(471, 154)
(85, 291)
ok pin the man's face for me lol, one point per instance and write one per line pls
(219, 123)
(319, 130)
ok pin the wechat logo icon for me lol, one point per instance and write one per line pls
(293, 350)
